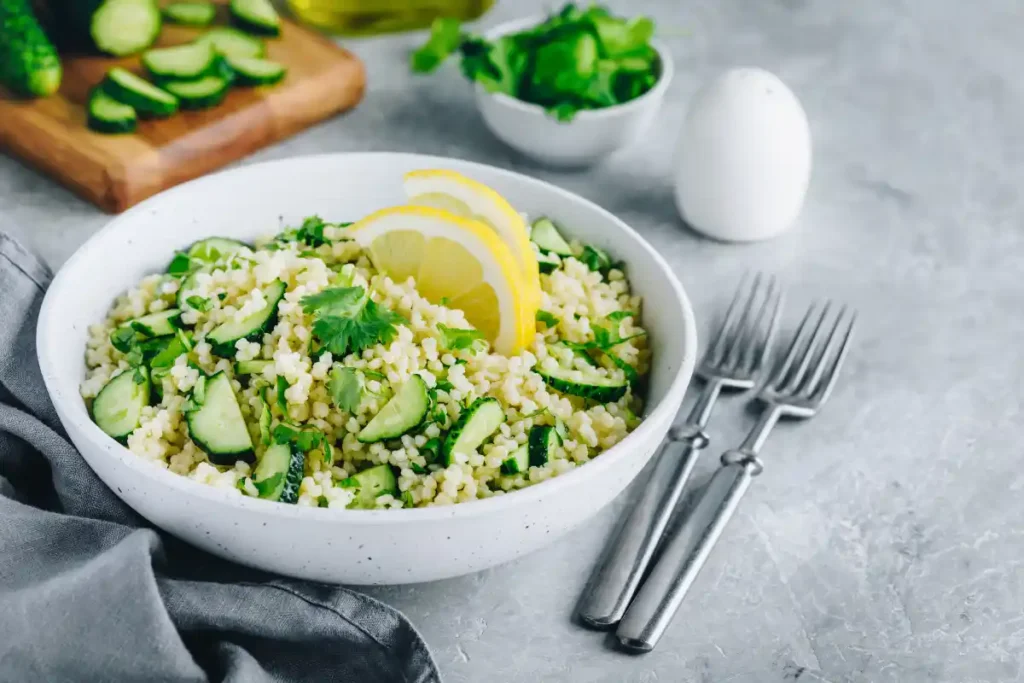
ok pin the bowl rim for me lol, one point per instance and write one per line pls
(655, 93)
(49, 325)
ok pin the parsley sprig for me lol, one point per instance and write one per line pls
(346, 320)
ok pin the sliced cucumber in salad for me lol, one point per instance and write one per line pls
(474, 426)
(117, 409)
(584, 384)
(518, 462)
(279, 472)
(542, 442)
(157, 324)
(252, 367)
(372, 483)
(217, 425)
(546, 236)
(226, 335)
(404, 412)
(215, 249)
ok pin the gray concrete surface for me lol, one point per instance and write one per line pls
(884, 540)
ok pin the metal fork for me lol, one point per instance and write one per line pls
(799, 386)
(733, 361)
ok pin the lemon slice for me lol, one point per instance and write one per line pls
(457, 260)
(463, 196)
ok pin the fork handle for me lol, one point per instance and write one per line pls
(685, 554)
(618, 574)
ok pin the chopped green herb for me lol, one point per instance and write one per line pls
(444, 385)
(596, 259)
(304, 439)
(430, 449)
(454, 339)
(240, 485)
(346, 320)
(282, 401)
(139, 377)
(264, 419)
(407, 500)
(222, 296)
(445, 38)
(180, 265)
(310, 233)
(123, 339)
(328, 453)
(268, 485)
(547, 318)
(616, 316)
(345, 388)
(199, 303)
(576, 59)
(373, 374)
(349, 483)
(417, 469)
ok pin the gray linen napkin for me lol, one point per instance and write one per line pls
(90, 592)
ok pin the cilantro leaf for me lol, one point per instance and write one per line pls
(445, 38)
(346, 320)
(304, 439)
(430, 449)
(443, 385)
(547, 318)
(607, 337)
(310, 233)
(199, 303)
(616, 316)
(180, 265)
(454, 339)
(328, 453)
(417, 468)
(345, 388)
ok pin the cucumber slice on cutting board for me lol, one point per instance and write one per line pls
(206, 92)
(232, 42)
(148, 100)
(256, 16)
(255, 71)
(107, 115)
(181, 62)
(190, 13)
(124, 27)
(404, 412)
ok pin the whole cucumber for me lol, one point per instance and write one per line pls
(29, 64)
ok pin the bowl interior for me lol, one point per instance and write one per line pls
(261, 199)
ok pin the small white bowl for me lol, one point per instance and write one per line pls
(592, 134)
(347, 546)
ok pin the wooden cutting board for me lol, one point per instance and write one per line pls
(117, 171)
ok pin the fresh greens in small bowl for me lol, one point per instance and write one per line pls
(575, 60)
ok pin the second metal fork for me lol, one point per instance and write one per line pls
(799, 386)
(733, 361)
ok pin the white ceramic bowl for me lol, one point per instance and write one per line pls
(592, 135)
(346, 546)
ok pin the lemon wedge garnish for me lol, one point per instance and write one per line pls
(463, 196)
(456, 261)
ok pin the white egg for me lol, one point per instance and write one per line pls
(744, 157)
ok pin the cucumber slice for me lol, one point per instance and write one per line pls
(232, 42)
(577, 352)
(217, 426)
(584, 384)
(124, 27)
(190, 13)
(475, 424)
(148, 100)
(279, 472)
(542, 443)
(215, 249)
(180, 62)
(252, 367)
(157, 324)
(255, 71)
(201, 94)
(107, 115)
(224, 336)
(117, 409)
(189, 284)
(257, 16)
(372, 483)
(546, 236)
(405, 411)
(518, 462)
(174, 347)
